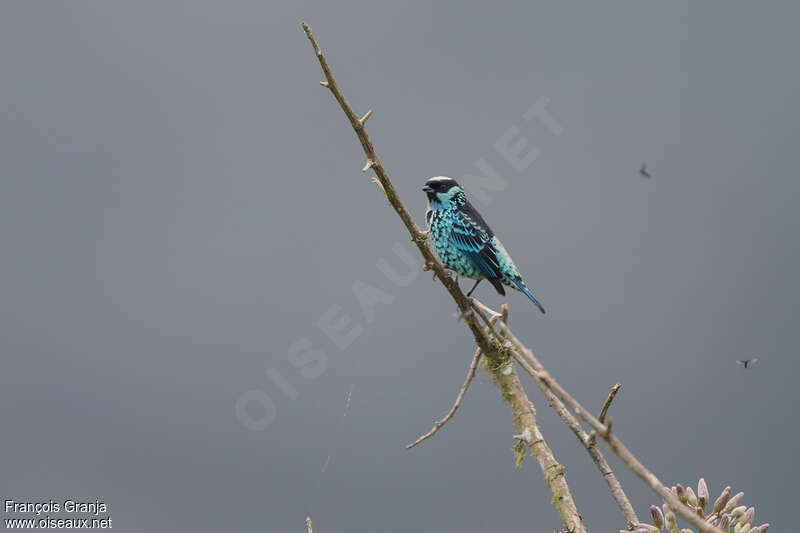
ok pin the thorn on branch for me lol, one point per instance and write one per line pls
(377, 182)
(366, 116)
(324, 84)
(369, 165)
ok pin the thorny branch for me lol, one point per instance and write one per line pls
(417, 236)
(509, 384)
(494, 349)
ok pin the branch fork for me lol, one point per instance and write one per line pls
(509, 385)
(491, 344)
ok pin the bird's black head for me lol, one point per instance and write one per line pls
(442, 189)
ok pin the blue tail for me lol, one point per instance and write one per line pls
(519, 283)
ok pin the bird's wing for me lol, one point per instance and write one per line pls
(471, 235)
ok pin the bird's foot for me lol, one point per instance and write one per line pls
(422, 237)
(473, 288)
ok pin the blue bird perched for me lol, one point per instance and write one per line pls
(464, 242)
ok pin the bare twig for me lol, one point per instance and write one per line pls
(532, 366)
(546, 382)
(604, 410)
(509, 385)
(438, 424)
(607, 404)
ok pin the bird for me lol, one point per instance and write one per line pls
(643, 171)
(464, 242)
(746, 362)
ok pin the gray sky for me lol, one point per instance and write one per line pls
(182, 204)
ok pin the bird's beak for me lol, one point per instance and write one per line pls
(427, 188)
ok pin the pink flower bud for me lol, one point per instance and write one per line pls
(722, 501)
(691, 496)
(702, 494)
(658, 518)
(681, 493)
(733, 502)
(669, 516)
